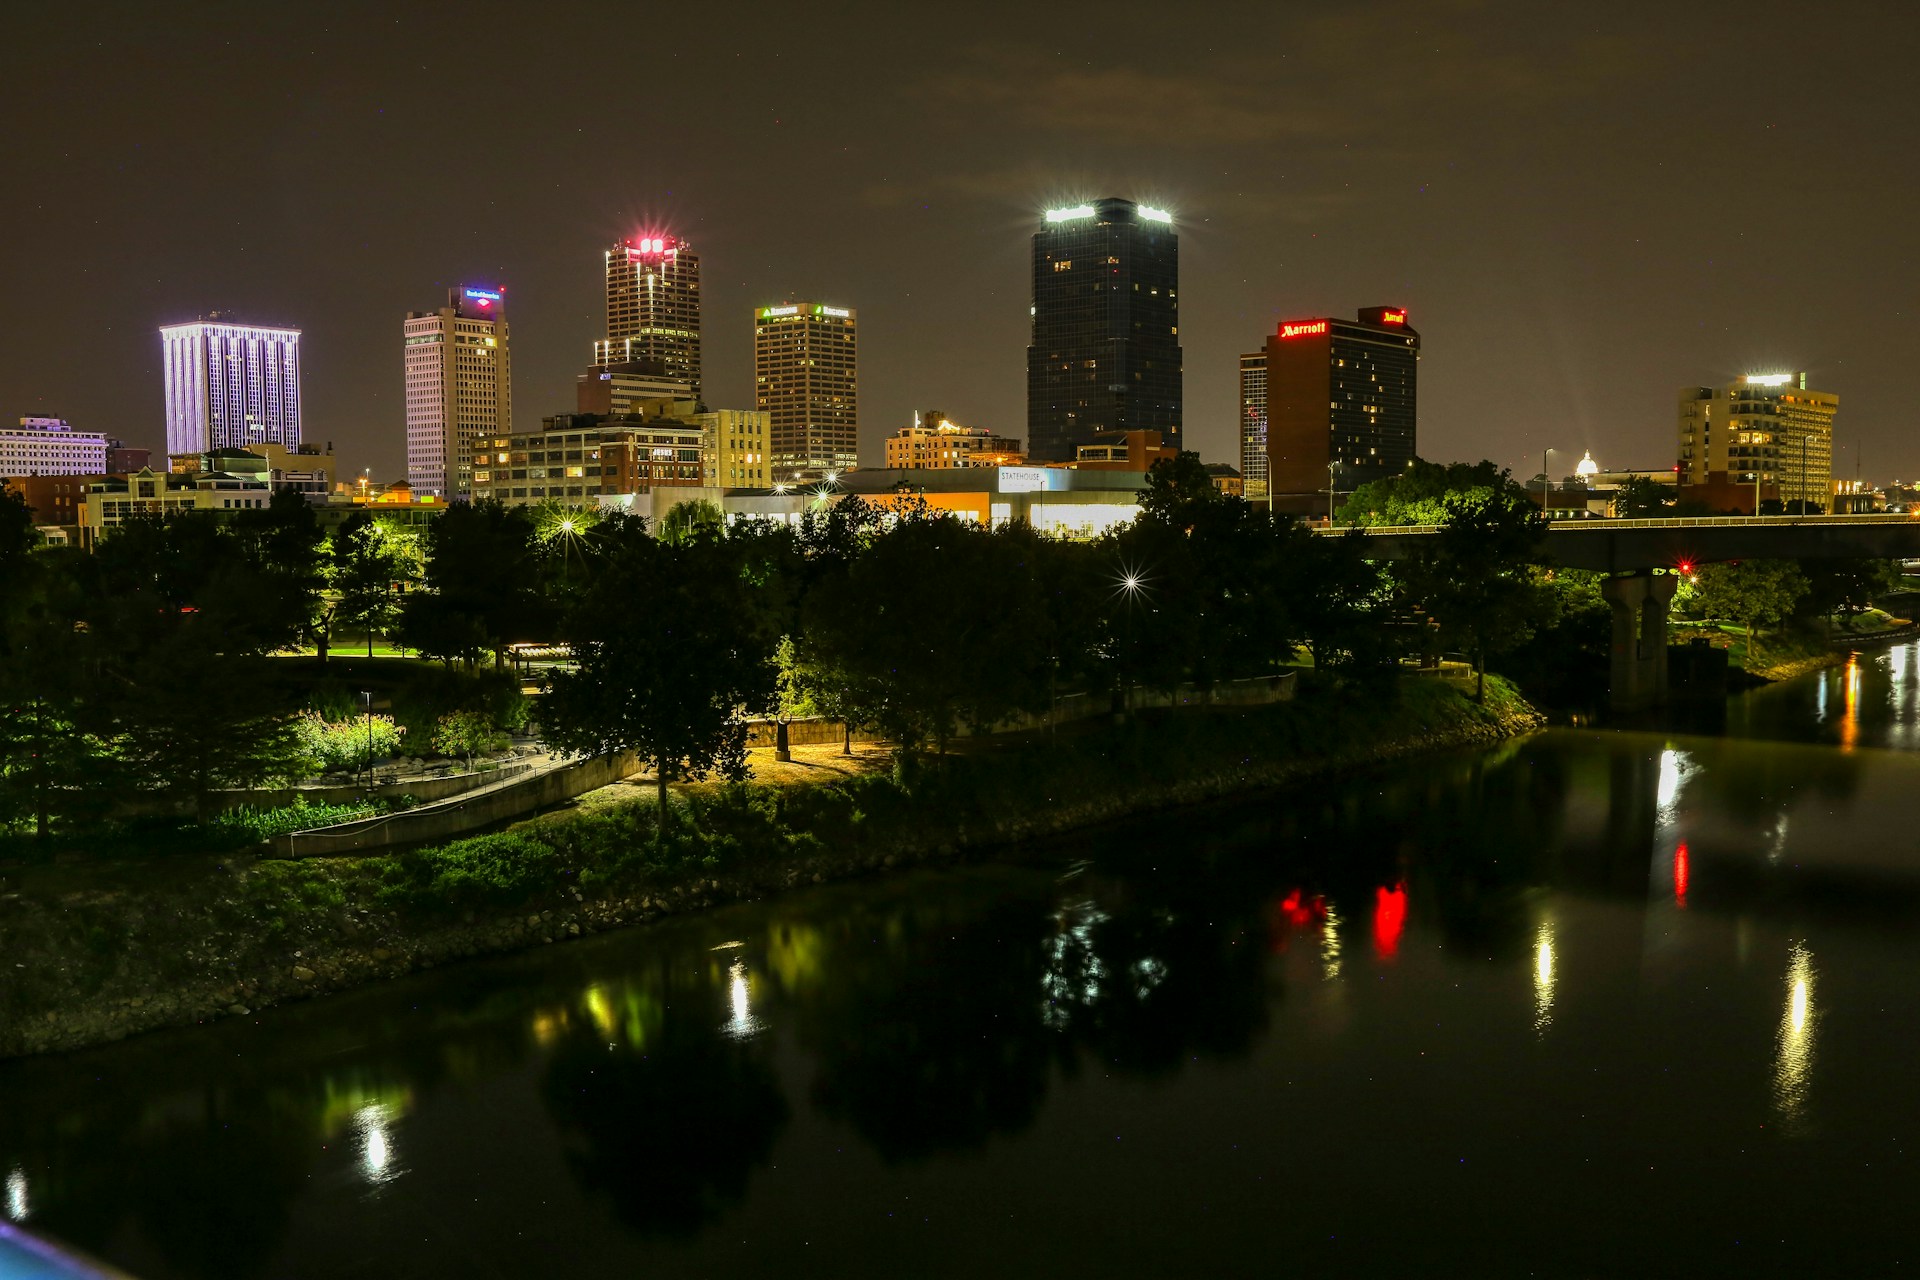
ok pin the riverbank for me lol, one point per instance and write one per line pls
(98, 952)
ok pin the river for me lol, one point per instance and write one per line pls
(1597, 1003)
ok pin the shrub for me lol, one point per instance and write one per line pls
(342, 747)
(248, 825)
(506, 867)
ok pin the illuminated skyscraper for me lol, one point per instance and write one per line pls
(806, 378)
(1340, 394)
(1253, 423)
(653, 308)
(230, 385)
(1105, 354)
(459, 388)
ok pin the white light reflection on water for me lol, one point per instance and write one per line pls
(1793, 1056)
(740, 991)
(1672, 773)
(1074, 973)
(17, 1206)
(1330, 944)
(373, 1125)
(1543, 979)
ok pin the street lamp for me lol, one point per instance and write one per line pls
(1546, 477)
(1331, 464)
(1130, 586)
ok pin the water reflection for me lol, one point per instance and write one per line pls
(1330, 944)
(1543, 979)
(742, 1024)
(1389, 918)
(1850, 704)
(662, 1080)
(376, 1149)
(1793, 1056)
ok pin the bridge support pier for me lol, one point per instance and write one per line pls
(1639, 675)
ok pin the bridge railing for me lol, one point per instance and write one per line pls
(1671, 522)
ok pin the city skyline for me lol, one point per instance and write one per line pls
(1534, 205)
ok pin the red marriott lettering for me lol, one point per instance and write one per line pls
(1393, 317)
(1300, 328)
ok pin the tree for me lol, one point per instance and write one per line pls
(928, 629)
(50, 768)
(483, 573)
(191, 724)
(792, 697)
(371, 561)
(1423, 492)
(1179, 491)
(671, 656)
(1850, 586)
(17, 537)
(1476, 577)
(1752, 592)
(684, 520)
(1641, 498)
(281, 567)
(1339, 597)
(463, 733)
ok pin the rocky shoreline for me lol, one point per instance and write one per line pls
(91, 966)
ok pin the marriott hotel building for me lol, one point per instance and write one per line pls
(1339, 393)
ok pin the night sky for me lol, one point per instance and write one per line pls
(1584, 207)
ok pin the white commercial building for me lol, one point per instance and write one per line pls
(229, 386)
(51, 447)
(459, 388)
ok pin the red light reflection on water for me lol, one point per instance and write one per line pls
(1295, 911)
(1389, 918)
(1680, 874)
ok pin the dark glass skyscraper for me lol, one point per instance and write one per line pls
(1105, 354)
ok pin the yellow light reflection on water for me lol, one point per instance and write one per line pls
(1330, 944)
(1793, 1057)
(600, 1009)
(1543, 978)
(1850, 704)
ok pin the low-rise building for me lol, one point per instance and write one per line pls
(306, 468)
(56, 501)
(116, 499)
(49, 446)
(578, 458)
(1122, 451)
(1227, 479)
(936, 442)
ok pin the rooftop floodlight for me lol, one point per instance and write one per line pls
(1068, 215)
(1152, 214)
(1769, 379)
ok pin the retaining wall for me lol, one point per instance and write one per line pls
(461, 814)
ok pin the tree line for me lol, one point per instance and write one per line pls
(150, 663)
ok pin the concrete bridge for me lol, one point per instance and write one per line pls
(1644, 558)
